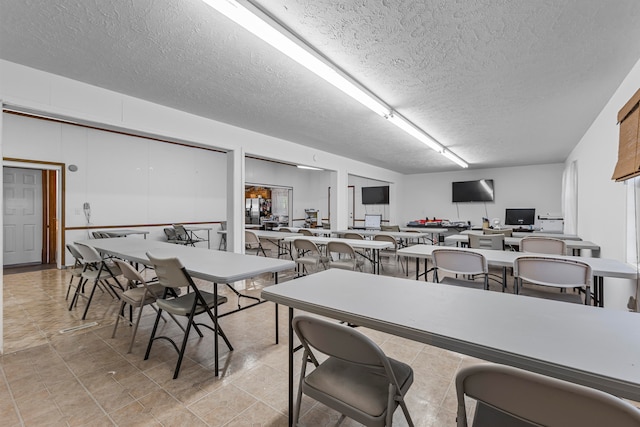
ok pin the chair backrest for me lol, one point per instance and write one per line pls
(170, 233)
(134, 277)
(305, 232)
(387, 238)
(549, 271)
(355, 236)
(74, 252)
(543, 245)
(170, 272)
(181, 232)
(539, 399)
(389, 228)
(99, 235)
(305, 245)
(88, 253)
(460, 261)
(339, 341)
(488, 241)
(251, 239)
(284, 230)
(506, 231)
(336, 246)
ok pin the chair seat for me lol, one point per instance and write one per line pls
(453, 281)
(552, 294)
(353, 385)
(312, 260)
(181, 306)
(346, 264)
(135, 296)
(104, 274)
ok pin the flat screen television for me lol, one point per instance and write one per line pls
(472, 191)
(520, 217)
(375, 195)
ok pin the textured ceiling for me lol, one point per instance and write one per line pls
(499, 82)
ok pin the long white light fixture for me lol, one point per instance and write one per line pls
(255, 21)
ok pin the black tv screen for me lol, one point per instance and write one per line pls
(473, 191)
(520, 217)
(375, 195)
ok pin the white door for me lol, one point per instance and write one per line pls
(22, 216)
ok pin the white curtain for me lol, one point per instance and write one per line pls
(570, 198)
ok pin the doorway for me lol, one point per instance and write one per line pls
(33, 214)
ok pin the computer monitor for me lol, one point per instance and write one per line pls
(372, 221)
(520, 216)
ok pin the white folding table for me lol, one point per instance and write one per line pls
(213, 266)
(575, 246)
(548, 337)
(601, 267)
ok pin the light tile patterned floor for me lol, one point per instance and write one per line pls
(87, 378)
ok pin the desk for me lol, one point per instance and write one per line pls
(601, 267)
(574, 245)
(374, 245)
(528, 333)
(213, 266)
(124, 232)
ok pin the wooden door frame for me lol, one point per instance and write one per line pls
(59, 245)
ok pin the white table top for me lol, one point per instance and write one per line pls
(123, 232)
(197, 228)
(213, 266)
(356, 243)
(515, 241)
(396, 234)
(603, 267)
(560, 236)
(548, 337)
(430, 230)
(268, 234)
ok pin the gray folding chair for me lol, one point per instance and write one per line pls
(97, 270)
(549, 272)
(487, 241)
(252, 243)
(466, 263)
(543, 245)
(172, 274)
(76, 270)
(346, 258)
(308, 257)
(391, 253)
(515, 397)
(358, 379)
(138, 294)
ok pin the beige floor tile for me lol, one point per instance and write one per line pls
(88, 378)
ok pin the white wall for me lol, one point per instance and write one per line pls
(362, 210)
(429, 195)
(127, 180)
(601, 201)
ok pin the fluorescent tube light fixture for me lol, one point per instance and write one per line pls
(412, 130)
(311, 168)
(259, 23)
(294, 49)
(455, 159)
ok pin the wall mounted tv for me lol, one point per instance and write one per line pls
(520, 217)
(375, 195)
(472, 191)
